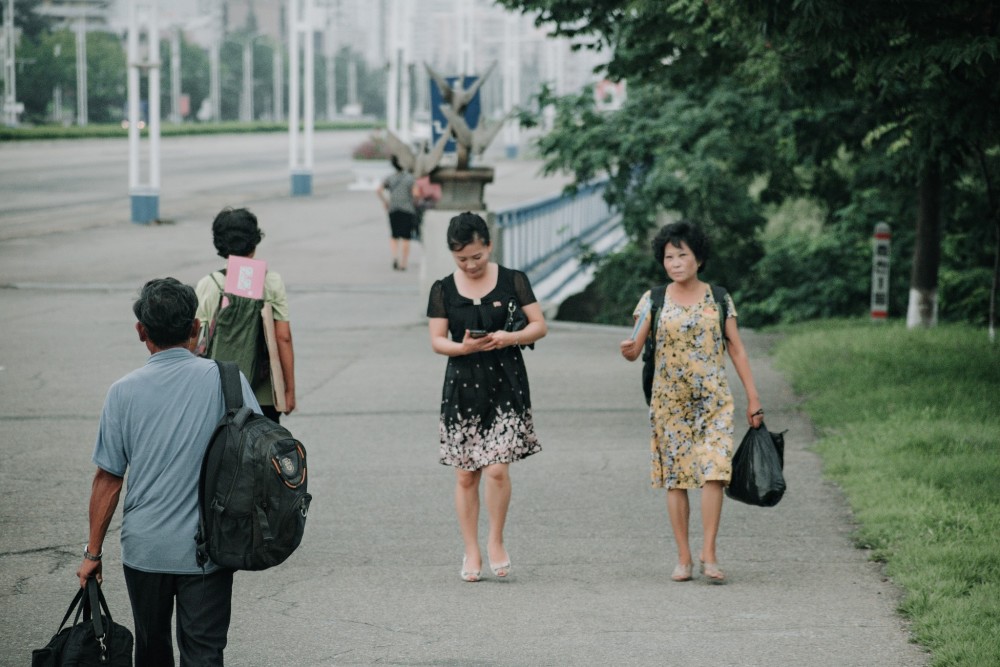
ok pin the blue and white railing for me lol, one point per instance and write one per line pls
(544, 238)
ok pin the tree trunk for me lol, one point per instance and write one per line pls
(923, 305)
(996, 285)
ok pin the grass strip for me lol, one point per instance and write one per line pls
(909, 425)
(102, 131)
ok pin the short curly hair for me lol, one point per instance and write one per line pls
(166, 309)
(683, 231)
(235, 232)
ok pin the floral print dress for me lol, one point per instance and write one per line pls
(485, 403)
(691, 409)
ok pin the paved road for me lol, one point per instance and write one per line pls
(376, 580)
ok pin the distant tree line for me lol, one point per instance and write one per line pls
(46, 63)
(790, 128)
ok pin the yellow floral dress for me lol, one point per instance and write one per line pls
(691, 409)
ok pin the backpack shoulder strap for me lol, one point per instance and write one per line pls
(232, 389)
(719, 293)
(656, 296)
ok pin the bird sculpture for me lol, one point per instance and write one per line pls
(421, 162)
(458, 97)
(474, 140)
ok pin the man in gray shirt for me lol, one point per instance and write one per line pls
(156, 425)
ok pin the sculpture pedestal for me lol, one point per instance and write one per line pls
(462, 190)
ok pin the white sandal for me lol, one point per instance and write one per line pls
(470, 576)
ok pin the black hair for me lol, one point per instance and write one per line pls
(465, 228)
(166, 308)
(395, 163)
(687, 232)
(235, 232)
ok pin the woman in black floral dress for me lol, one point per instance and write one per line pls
(486, 418)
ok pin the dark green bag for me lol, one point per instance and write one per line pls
(236, 333)
(657, 294)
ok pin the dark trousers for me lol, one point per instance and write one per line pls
(204, 605)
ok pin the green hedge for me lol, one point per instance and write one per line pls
(167, 129)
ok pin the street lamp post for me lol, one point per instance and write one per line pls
(246, 108)
(9, 103)
(330, 55)
(81, 71)
(145, 197)
(175, 75)
(512, 79)
(300, 37)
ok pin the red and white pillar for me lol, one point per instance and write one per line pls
(880, 271)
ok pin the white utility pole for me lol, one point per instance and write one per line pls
(512, 80)
(405, 56)
(330, 56)
(82, 113)
(300, 37)
(465, 11)
(145, 197)
(175, 75)
(9, 104)
(246, 96)
(392, 51)
(278, 95)
(214, 88)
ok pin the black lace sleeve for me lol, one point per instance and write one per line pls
(522, 289)
(435, 302)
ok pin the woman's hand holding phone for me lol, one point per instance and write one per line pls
(478, 340)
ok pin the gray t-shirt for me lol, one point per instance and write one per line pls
(156, 424)
(400, 187)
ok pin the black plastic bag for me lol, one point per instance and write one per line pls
(757, 465)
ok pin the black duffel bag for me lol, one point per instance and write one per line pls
(97, 641)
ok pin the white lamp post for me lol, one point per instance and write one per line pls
(82, 112)
(300, 37)
(10, 107)
(145, 197)
(512, 80)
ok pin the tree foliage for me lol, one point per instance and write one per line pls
(737, 107)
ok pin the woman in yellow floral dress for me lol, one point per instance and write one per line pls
(691, 408)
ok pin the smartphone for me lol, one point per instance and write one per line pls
(477, 333)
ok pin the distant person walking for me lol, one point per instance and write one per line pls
(235, 232)
(691, 408)
(399, 203)
(486, 421)
(155, 426)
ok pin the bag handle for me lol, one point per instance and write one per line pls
(97, 603)
(72, 608)
(232, 388)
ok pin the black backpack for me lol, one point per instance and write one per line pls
(657, 295)
(252, 499)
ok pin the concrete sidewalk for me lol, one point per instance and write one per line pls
(376, 579)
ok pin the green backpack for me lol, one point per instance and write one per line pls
(657, 294)
(236, 333)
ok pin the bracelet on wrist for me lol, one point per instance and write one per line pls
(90, 556)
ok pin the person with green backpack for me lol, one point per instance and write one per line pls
(686, 327)
(232, 327)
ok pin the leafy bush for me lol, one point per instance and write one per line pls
(806, 275)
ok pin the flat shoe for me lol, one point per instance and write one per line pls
(682, 572)
(470, 576)
(712, 571)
